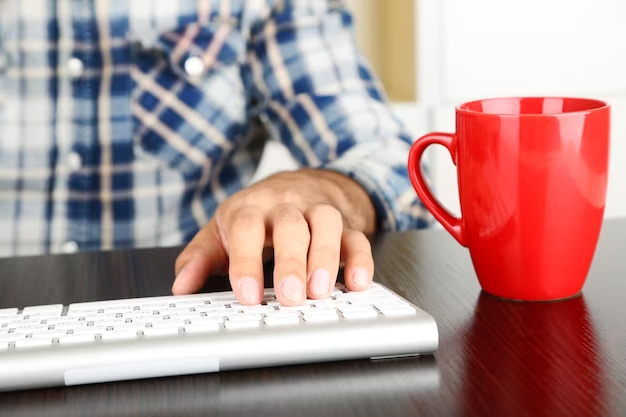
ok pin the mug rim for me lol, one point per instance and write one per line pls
(598, 105)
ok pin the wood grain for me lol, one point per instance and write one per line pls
(496, 358)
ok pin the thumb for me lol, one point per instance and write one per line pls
(204, 255)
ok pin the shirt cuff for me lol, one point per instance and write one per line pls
(381, 169)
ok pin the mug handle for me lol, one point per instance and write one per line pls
(454, 225)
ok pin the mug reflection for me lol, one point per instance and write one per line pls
(532, 358)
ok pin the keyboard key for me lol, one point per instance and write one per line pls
(117, 310)
(244, 317)
(106, 321)
(49, 334)
(156, 306)
(282, 321)
(31, 328)
(73, 339)
(283, 314)
(320, 318)
(119, 335)
(229, 324)
(352, 313)
(252, 309)
(4, 345)
(392, 304)
(161, 331)
(135, 327)
(11, 337)
(181, 316)
(32, 343)
(211, 307)
(330, 303)
(24, 323)
(68, 325)
(61, 320)
(91, 330)
(50, 309)
(320, 311)
(206, 327)
(400, 311)
(294, 308)
(8, 312)
(191, 303)
(141, 317)
(168, 323)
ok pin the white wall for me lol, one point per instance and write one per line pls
(485, 48)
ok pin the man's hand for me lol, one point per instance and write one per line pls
(311, 218)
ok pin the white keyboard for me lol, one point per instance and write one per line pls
(107, 341)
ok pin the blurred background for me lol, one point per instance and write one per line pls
(433, 54)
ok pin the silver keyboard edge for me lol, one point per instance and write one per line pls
(222, 351)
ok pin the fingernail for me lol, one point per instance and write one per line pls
(320, 282)
(177, 286)
(249, 290)
(360, 277)
(292, 288)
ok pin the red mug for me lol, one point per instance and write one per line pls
(532, 177)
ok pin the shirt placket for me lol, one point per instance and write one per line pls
(77, 122)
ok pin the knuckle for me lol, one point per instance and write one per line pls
(244, 265)
(326, 214)
(246, 218)
(249, 198)
(180, 263)
(362, 257)
(354, 237)
(359, 244)
(290, 265)
(287, 195)
(324, 255)
(289, 215)
(184, 258)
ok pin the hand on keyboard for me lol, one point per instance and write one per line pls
(311, 218)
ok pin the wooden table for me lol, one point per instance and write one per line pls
(496, 358)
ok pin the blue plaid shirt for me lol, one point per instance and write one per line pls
(126, 123)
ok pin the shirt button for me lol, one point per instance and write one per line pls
(194, 66)
(74, 161)
(75, 67)
(70, 247)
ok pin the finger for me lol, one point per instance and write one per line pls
(291, 238)
(246, 238)
(204, 255)
(326, 227)
(359, 264)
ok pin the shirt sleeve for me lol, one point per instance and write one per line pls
(319, 96)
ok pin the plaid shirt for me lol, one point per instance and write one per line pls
(126, 123)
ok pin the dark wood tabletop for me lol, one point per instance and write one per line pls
(496, 358)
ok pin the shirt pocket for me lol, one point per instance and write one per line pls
(187, 97)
